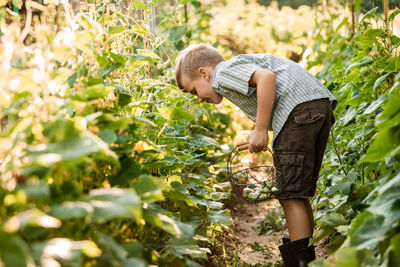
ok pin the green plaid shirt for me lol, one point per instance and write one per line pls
(294, 85)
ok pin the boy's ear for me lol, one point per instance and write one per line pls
(203, 72)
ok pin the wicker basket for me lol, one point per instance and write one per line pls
(263, 177)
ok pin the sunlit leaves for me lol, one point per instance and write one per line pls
(92, 92)
(65, 251)
(114, 203)
(175, 113)
(32, 217)
(101, 150)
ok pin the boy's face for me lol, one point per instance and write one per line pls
(201, 87)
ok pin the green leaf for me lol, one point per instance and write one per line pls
(69, 149)
(72, 209)
(380, 80)
(377, 104)
(395, 243)
(181, 247)
(367, 38)
(173, 113)
(140, 30)
(91, 92)
(394, 14)
(385, 143)
(129, 170)
(137, 262)
(177, 32)
(71, 79)
(203, 141)
(179, 192)
(33, 217)
(116, 29)
(65, 252)
(35, 189)
(124, 99)
(369, 14)
(370, 233)
(390, 109)
(140, 5)
(349, 115)
(140, 57)
(14, 251)
(357, 5)
(149, 188)
(222, 217)
(387, 203)
(332, 220)
(103, 72)
(112, 250)
(359, 64)
(108, 136)
(351, 257)
(114, 203)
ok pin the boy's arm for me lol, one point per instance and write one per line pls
(264, 81)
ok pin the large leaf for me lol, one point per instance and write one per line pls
(72, 209)
(332, 220)
(203, 141)
(129, 170)
(222, 217)
(33, 217)
(35, 189)
(14, 251)
(385, 143)
(149, 188)
(175, 113)
(92, 92)
(64, 252)
(177, 32)
(181, 247)
(369, 233)
(114, 203)
(368, 37)
(387, 202)
(69, 149)
(157, 216)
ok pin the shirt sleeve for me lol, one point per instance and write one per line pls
(236, 76)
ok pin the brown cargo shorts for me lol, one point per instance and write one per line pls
(299, 148)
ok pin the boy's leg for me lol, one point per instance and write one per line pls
(310, 213)
(299, 221)
(298, 151)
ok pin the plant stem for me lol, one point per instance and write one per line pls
(337, 153)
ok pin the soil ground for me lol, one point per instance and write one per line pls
(246, 218)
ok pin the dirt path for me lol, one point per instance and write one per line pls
(247, 218)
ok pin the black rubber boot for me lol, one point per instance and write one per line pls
(297, 253)
(306, 255)
(285, 239)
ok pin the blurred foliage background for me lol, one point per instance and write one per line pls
(103, 162)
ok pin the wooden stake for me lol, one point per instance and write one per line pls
(352, 17)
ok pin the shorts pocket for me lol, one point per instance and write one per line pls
(308, 117)
(290, 165)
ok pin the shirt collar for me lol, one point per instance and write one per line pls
(214, 82)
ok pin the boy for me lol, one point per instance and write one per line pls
(278, 95)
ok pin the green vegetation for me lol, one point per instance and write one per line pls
(103, 162)
(357, 204)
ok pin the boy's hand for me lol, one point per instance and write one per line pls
(257, 141)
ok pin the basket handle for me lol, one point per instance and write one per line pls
(233, 154)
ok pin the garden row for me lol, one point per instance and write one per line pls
(102, 161)
(358, 205)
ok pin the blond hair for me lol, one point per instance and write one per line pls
(190, 59)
